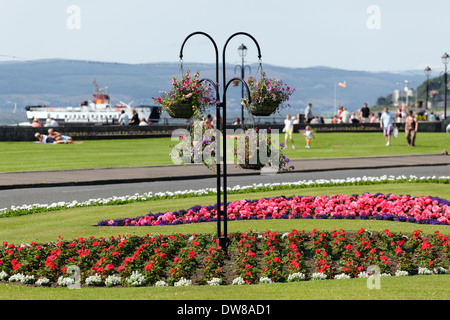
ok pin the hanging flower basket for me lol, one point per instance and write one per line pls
(263, 109)
(260, 153)
(187, 98)
(248, 166)
(235, 83)
(180, 111)
(266, 95)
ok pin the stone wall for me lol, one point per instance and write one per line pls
(25, 133)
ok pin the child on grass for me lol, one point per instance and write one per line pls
(308, 133)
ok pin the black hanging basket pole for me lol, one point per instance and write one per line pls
(221, 213)
(223, 239)
(217, 117)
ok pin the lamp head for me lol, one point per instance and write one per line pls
(445, 58)
(242, 50)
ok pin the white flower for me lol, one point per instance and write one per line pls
(3, 276)
(363, 275)
(43, 281)
(65, 281)
(94, 280)
(424, 271)
(439, 270)
(265, 280)
(161, 283)
(215, 282)
(318, 276)
(183, 283)
(112, 281)
(136, 279)
(341, 276)
(28, 279)
(401, 273)
(298, 276)
(238, 281)
(18, 277)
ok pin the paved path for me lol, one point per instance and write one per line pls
(163, 173)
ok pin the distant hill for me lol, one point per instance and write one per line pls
(67, 82)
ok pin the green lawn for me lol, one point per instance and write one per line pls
(29, 156)
(391, 288)
(73, 223)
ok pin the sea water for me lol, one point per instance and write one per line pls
(8, 117)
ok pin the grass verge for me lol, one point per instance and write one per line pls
(29, 156)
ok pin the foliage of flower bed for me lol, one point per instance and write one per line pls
(424, 210)
(120, 133)
(252, 258)
(36, 208)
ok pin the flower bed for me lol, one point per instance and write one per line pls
(252, 258)
(404, 208)
(260, 187)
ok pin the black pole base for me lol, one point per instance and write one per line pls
(224, 242)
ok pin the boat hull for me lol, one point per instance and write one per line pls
(78, 115)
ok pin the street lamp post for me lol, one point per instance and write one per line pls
(406, 89)
(445, 60)
(427, 74)
(221, 171)
(242, 53)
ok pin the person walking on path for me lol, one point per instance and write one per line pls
(387, 123)
(411, 128)
(288, 129)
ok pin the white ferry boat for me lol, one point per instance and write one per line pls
(98, 111)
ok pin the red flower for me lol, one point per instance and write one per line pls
(149, 266)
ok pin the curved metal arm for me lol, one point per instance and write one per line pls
(244, 34)
(225, 47)
(215, 48)
(246, 66)
(245, 85)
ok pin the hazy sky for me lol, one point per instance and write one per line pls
(372, 35)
